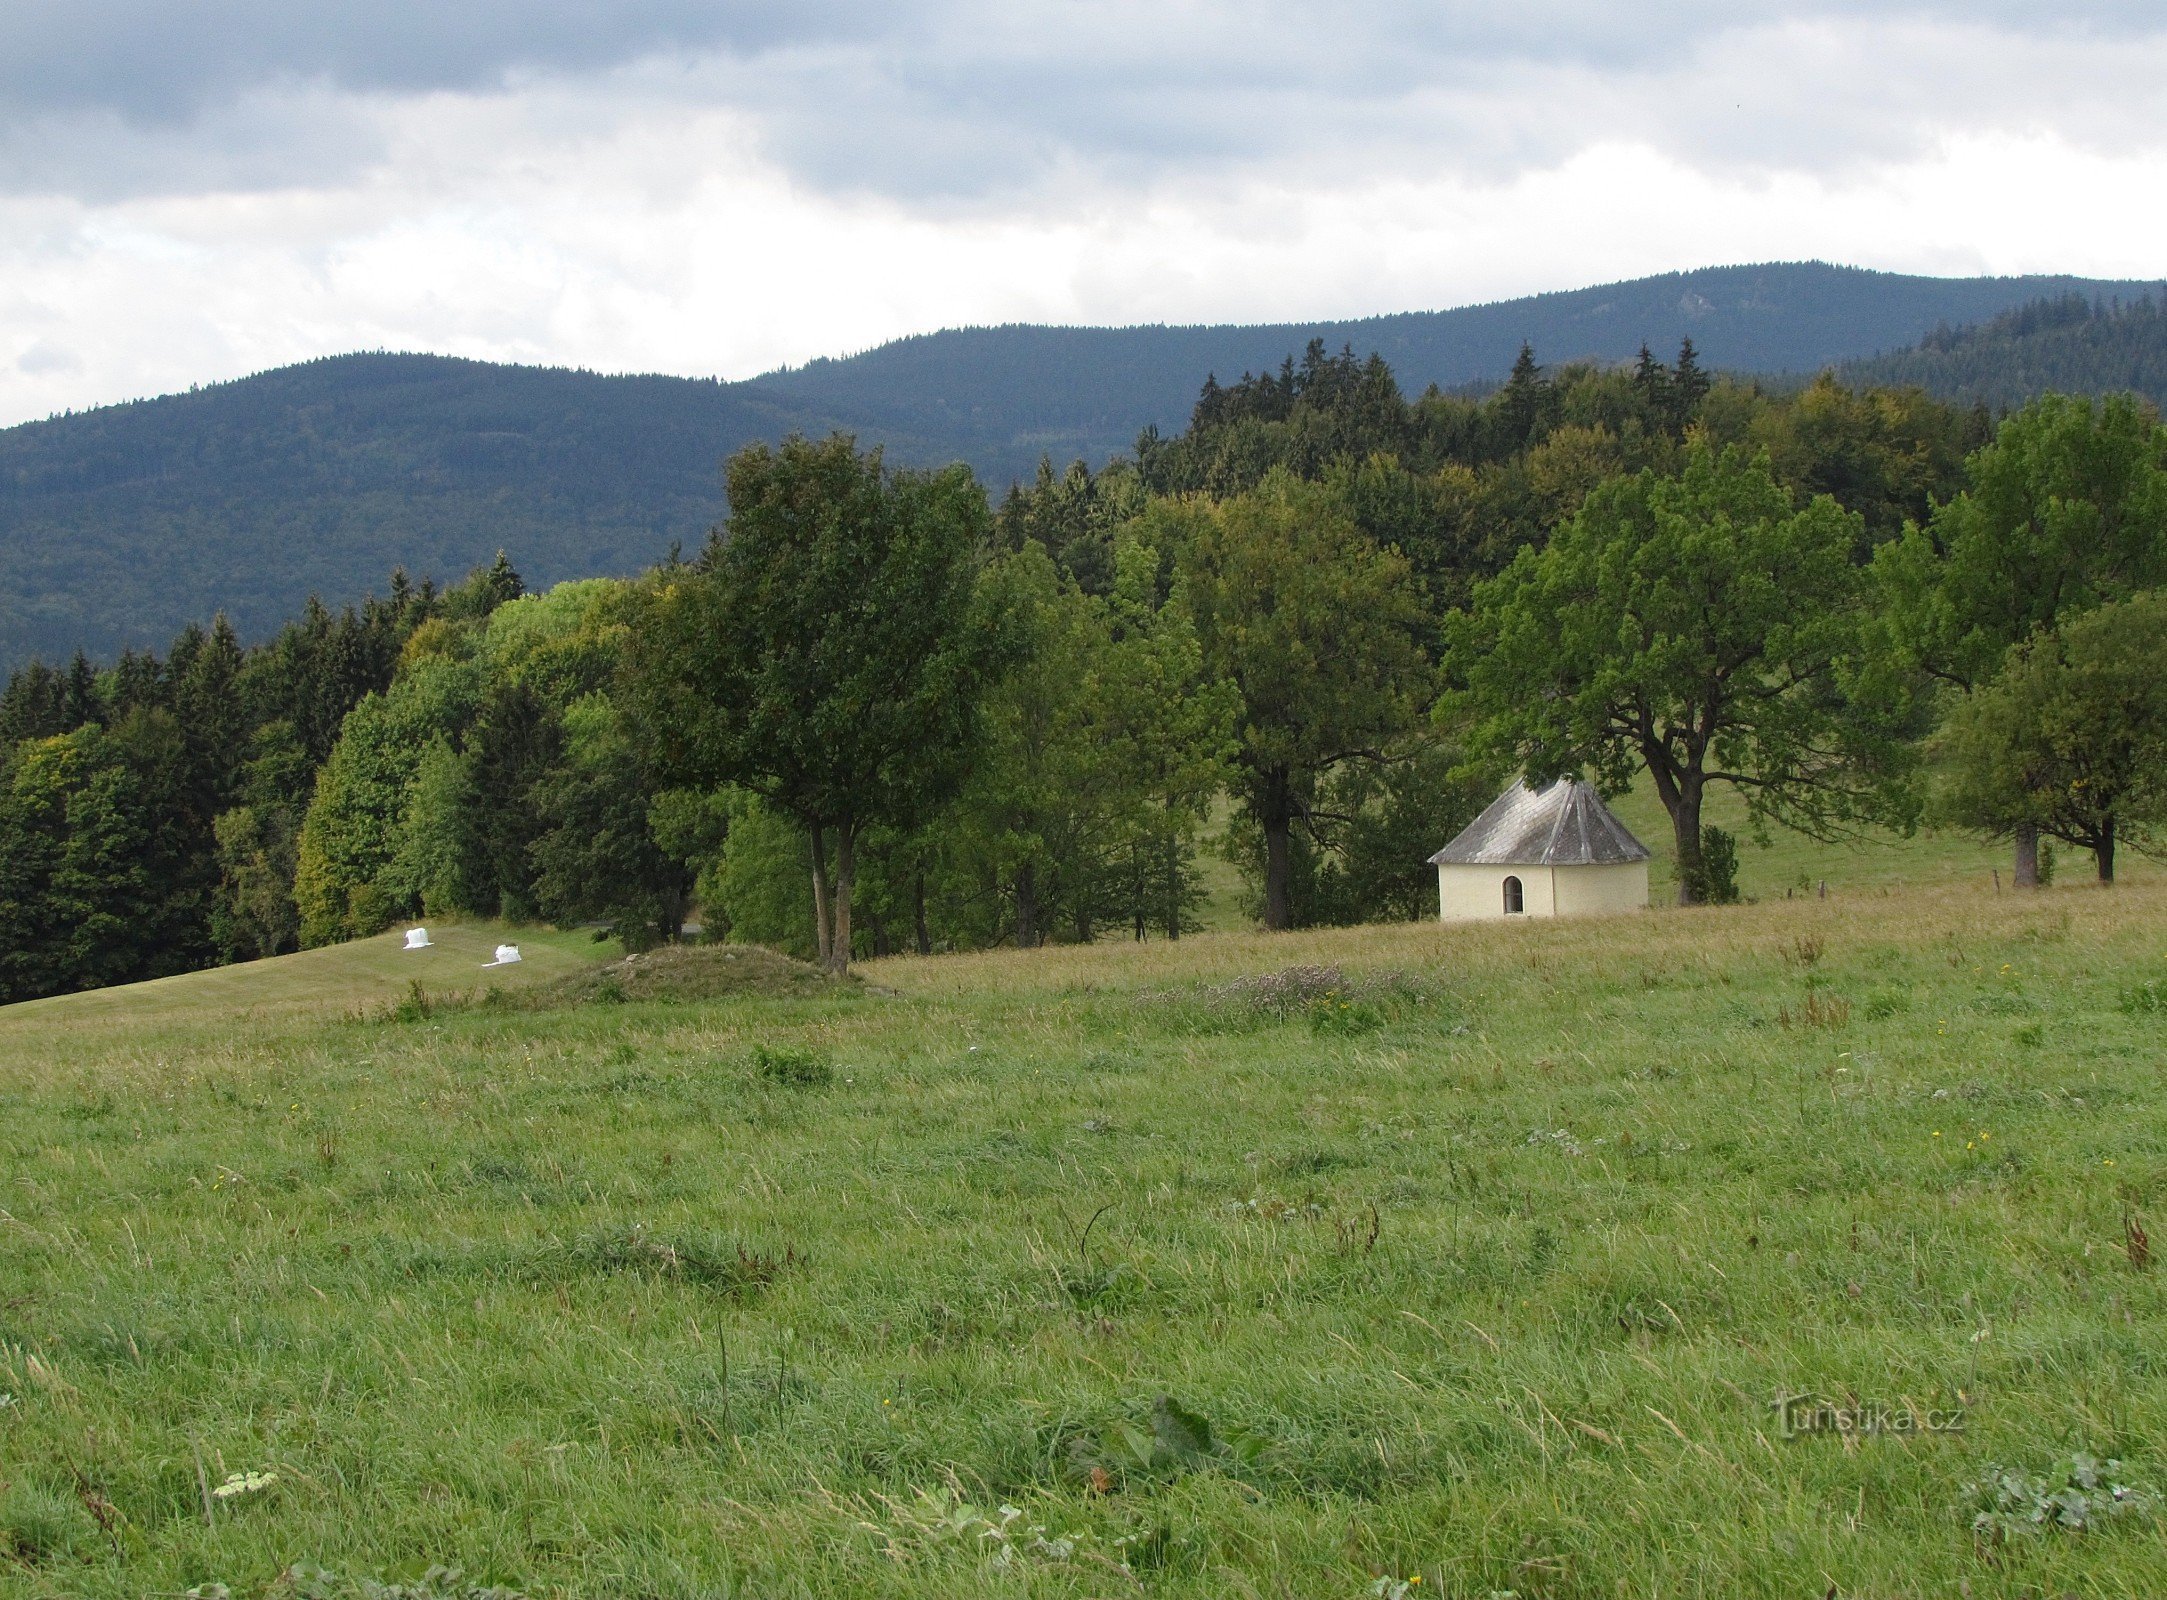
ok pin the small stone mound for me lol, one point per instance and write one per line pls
(691, 972)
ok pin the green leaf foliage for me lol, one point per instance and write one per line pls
(1698, 626)
(2070, 737)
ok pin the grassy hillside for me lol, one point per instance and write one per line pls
(1304, 1265)
(120, 525)
(366, 976)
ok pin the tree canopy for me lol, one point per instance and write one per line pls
(2070, 737)
(827, 651)
(1317, 628)
(1698, 626)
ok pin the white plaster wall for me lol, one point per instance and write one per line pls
(1466, 894)
(1623, 887)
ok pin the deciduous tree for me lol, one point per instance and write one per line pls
(1316, 627)
(2071, 736)
(827, 651)
(1696, 627)
(2065, 509)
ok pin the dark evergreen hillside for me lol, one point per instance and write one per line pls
(1010, 394)
(119, 525)
(2069, 343)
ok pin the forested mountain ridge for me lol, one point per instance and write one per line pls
(2068, 343)
(119, 525)
(245, 497)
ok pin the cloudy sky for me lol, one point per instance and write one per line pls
(195, 191)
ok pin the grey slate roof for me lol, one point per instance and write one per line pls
(1566, 825)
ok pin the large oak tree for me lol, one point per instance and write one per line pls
(1697, 626)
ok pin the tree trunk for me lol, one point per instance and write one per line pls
(1026, 907)
(919, 927)
(2026, 875)
(676, 901)
(846, 876)
(822, 934)
(2103, 852)
(1685, 832)
(1277, 818)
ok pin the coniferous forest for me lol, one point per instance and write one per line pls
(1312, 630)
(2073, 343)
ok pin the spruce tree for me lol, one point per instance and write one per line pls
(1688, 387)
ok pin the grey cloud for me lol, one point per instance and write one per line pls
(979, 101)
(1796, 91)
(292, 137)
(158, 60)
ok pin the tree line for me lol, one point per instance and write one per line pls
(1312, 633)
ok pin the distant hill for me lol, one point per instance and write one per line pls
(119, 525)
(2072, 343)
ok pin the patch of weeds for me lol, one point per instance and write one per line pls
(2071, 1496)
(2147, 999)
(2007, 1004)
(1284, 993)
(1335, 1013)
(792, 1067)
(722, 1265)
(1883, 1004)
(1104, 1288)
(1804, 951)
(1324, 996)
(39, 1525)
(1117, 1287)
(1819, 1009)
(433, 1582)
(1168, 1443)
(1004, 1535)
(1308, 1163)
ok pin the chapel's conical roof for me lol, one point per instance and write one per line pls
(1565, 825)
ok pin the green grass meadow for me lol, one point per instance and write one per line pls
(1468, 1261)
